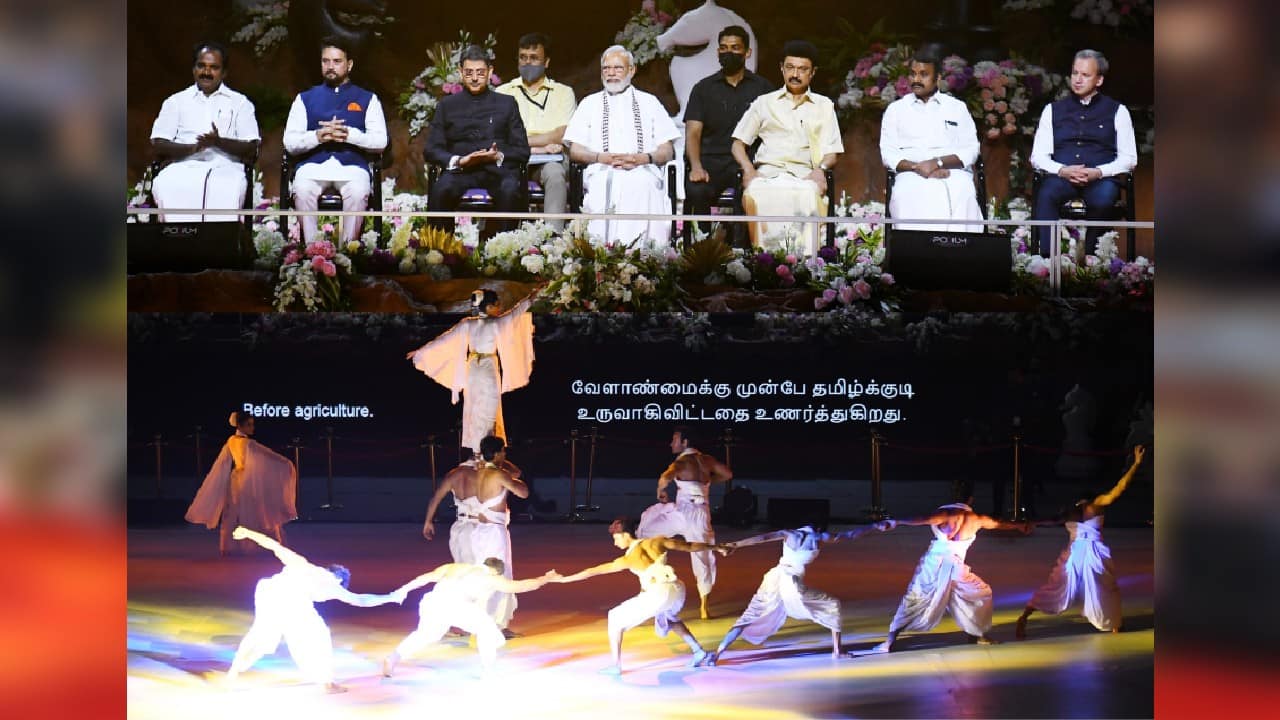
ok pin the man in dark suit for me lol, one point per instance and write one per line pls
(477, 136)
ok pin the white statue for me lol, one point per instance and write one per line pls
(700, 26)
(1080, 413)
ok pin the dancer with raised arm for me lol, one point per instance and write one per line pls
(782, 592)
(459, 600)
(1084, 568)
(284, 607)
(483, 356)
(942, 580)
(249, 484)
(661, 593)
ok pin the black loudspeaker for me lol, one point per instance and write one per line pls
(785, 513)
(187, 247)
(929, 260)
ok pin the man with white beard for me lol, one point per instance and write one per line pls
(625, 136)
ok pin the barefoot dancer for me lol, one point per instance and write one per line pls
(284, 607)
(661, 594)
(1084, 567)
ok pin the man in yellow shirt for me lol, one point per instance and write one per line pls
(545, 108)
(799, 139)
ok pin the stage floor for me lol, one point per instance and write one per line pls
(188, 609)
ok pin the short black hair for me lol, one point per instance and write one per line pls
(736, 31)
(686, 433)
(473, 53)
(488, 297)
(343, 574)
(534, 39)
(496, 564)
(801, 49)
(210, 46)
(622, 523)
(333, 41)
(491, 446)
(927, 56)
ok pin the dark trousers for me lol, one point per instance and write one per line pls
(504, 186)
(1099, 196)
(699, 196)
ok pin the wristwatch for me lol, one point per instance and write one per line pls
(939, 161)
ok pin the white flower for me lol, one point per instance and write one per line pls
(739, 271)
(434, 257)
(533, 263)
(407, 265)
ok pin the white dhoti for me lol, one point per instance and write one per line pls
(281, 610)
(661, 598)
(482, 402)
(209, 184)
(1083, 568)
(944, 582)
(621, 192)
(473, 542)
(443, 608)
(690, 518)
(782, 594)
(352, 181)
(949, 198)
(781, 193)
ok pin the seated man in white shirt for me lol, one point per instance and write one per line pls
(929, 138)
(331, 123)
(205, 132)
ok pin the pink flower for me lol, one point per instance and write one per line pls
(329, 269)
(1009, 119)
(887, 278)
(845, 295)
(862, 289)
(988, 105)
(663, 18)
(873, 91)
(535, 251)
(791, 259)
(317, 263)
(986, 95)
(993, 133)
(828, 296)
(327, 227)
(783, 271)
(1002, 107)
(1010, 129)
(292, 257)
(1000, 91)
(903, 86)
(992, 119)
(419, 85)
(272, 225)
(494, 79)
(295, 232)
(648, 6)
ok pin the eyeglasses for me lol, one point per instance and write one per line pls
(797, 69)
(480, 73)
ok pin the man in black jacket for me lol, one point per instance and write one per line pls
(477, 136)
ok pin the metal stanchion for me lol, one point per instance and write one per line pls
(573, 515)
(727, 440)
(158, 442)
(328, 443)
(591, 474)
(430, 445)
(297, 448)
(877, 497)
(199, 457)
(1019, 512)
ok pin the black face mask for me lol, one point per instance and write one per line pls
(732, 62)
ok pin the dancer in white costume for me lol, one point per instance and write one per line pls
(459, 598)
(482, 356)
(690, 515)
(1084, 568)
(480, 530)
(284, 607)
(249, 484)
(782, 592)
(661, 593)
(942, 580)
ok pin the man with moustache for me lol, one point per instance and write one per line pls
(1083, 142)
(478, 137)
(328, 126)
(716, 104)
(205, 132)
(799, 140)
(625, 137)
(545, 108)
(929, 139)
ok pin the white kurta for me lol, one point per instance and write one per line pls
(472, 541)
(689, 517)
(661, 598)
(457, 601)
(918, 130)
(782, 593)
(210, 178)
(636, 123)
(942, 582)
(1083, 569)
(284, 608)
(462, 359)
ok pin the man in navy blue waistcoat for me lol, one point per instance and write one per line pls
(477, 136)
(329, 125)
(1084, 141)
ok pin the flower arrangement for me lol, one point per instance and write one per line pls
(1113, 13)
(442, 76)
(267, 24)
(883, 75)
(589, 276)
(424, 249)
(640, 34)
(311, 275)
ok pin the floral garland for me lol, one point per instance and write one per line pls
(442, 76)
(268, 25)
(640, 34)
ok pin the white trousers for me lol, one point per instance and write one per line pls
(438, 611)
(786, 194)
(278, 614)
(620, 192)
(200, 184)
(473, 542)
(660, 601)
(350, 180)
(1084, 570)
(949, 198)
(944, 582)
(692, 521)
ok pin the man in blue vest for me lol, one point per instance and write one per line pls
(478, 138)
(328, 126)
(1084, 141)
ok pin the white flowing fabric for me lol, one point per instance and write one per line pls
(446, 360)
(952, 197)
(456, 601)
(690, 517)
(779, 193)
(782, 594)
(661, 598)
(284, 608)
(1084, 567)
(944, 582)
(198, 183)
(256, 490)
(472, 542)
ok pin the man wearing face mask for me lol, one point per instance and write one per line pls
(545, 108)
(625, 137)
(716, 104)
